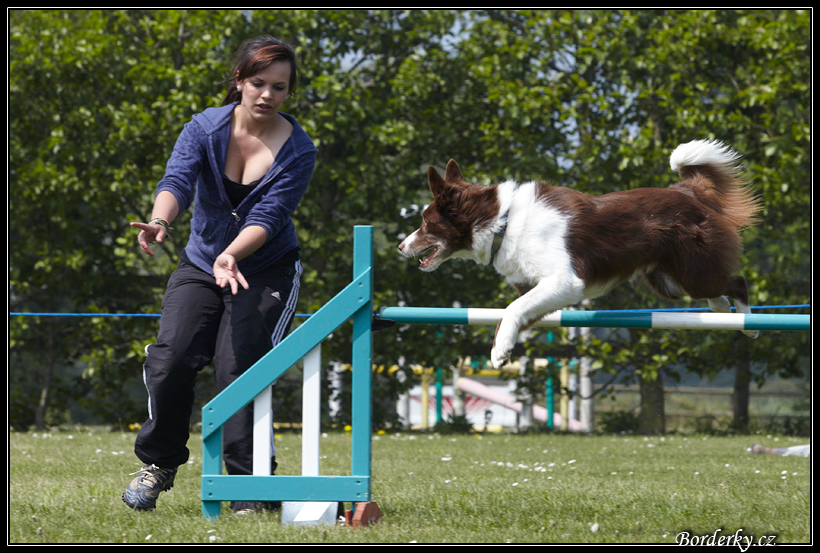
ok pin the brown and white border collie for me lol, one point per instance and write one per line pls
(557, 246)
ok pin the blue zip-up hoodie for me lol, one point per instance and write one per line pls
(194, 173)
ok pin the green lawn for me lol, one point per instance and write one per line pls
(65, 487)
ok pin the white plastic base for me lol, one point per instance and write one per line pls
(309, 512)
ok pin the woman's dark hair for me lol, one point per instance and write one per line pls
(255, 55)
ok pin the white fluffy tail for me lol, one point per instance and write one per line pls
(711, 171)
(705, 152)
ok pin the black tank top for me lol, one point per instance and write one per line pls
(236, 191)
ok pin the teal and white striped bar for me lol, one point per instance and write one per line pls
(612, 319)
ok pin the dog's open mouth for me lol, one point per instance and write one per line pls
(429, 256)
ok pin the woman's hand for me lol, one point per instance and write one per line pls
(150, 234)
(248, 241)
(164, 211)
(227, 273)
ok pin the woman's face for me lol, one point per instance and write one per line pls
(264, 93)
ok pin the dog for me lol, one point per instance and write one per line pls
(557, 246)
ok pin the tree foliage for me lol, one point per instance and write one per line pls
(593, 99)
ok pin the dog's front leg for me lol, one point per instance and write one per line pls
(506, 334)
(543, 299)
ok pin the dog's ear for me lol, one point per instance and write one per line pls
(437, 184)
(452, 174)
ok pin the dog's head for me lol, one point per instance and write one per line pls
(449, 223)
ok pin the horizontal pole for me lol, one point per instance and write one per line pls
(308, 315)
(611, 319)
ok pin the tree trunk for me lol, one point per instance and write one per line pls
(740, 397)
(651, 420)
(45, 392)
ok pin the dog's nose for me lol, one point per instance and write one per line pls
(406, 243)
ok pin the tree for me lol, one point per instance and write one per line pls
(593, 99)
(748, 84)
(740, 76)
(97, 100)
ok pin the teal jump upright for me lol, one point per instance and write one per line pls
(355, 302)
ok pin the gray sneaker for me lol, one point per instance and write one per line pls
(141, 494)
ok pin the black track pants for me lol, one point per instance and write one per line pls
(202, 323)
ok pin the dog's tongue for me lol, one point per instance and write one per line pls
(426, 261)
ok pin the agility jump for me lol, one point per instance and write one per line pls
(356, 302)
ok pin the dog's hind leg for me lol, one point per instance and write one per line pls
(720, 305)
(737, 290)
(664, 285)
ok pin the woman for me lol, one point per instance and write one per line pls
(245, 166)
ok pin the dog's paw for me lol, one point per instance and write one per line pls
(753, 334)
(499, 357)
(502, 344)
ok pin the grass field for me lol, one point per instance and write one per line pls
(65, 487)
